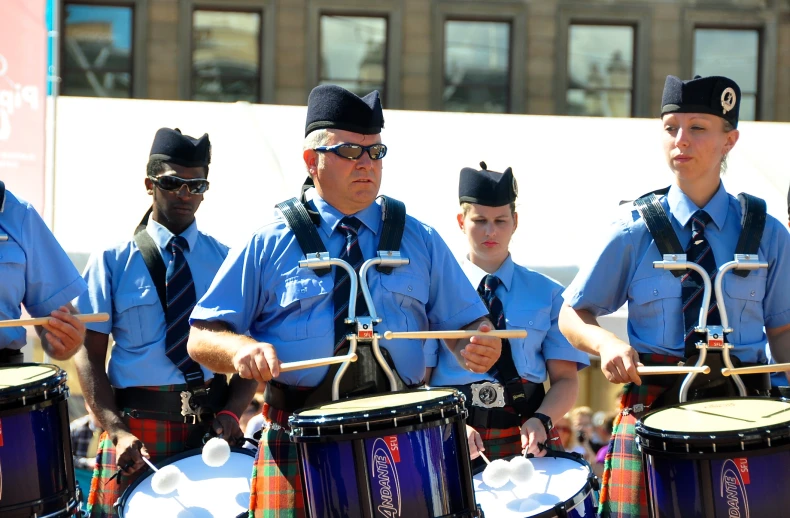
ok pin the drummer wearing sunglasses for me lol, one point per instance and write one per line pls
(263, 308)
(152, 400)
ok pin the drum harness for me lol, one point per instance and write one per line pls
(374, 371)
(674, 259)
(199, 403)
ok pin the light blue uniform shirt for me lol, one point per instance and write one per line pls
(532, 302)
(34, 269)
(624, 272)
(261, 289)
(119, 284)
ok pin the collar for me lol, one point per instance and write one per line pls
(475, 274)
(370, 216)
(682, 208)
(162, 235)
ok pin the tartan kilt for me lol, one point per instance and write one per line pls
(623, 489)
(276, 490)
(162, 439)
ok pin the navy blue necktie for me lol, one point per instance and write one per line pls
(181, 299)
(487, 292)
(698, 251)
(352, 254)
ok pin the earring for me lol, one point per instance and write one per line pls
(150, 191)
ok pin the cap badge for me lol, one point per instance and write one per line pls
(727, 100)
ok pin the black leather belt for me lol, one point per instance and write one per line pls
(157, 405)
(11, 356)
(496, 417)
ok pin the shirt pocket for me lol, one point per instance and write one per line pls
(12, 272)
(405, 295)
(300, 315)
(139, 315)
(744, 305)
(653, 300)
(536, 323)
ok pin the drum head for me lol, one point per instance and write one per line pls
(204, 492)
(28, 381)
(556, 480)
(727, 422)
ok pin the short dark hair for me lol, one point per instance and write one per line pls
(156, 167)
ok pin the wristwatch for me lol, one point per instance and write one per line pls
(546, 420)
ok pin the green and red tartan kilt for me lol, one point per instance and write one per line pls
(623, 489)
(162, 439)
(276, 484)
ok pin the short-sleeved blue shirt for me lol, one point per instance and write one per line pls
(261, 289)
(624, 273)
(34, 269)
(531, 301)
(119, 284)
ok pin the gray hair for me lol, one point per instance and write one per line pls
(316, 139)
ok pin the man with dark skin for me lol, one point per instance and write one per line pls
(138, 400)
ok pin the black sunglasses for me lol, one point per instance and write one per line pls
(354, 151)
(174, 183)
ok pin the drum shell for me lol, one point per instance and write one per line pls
(722, 474)
(418, 469)
(35, 451)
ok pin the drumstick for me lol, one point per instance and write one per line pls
(86, 317)
(318, 362)
(483, 455)
(658, 369)
(757, 369)
(453, 335)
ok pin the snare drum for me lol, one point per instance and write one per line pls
(399, 454)
(35, 445)
(563, 485)
(203, 492)
(717, 458)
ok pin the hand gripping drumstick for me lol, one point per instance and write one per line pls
(87, 317)
(452, 335)
(318, 362)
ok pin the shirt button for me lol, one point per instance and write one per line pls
(304, 290)
(655, 292)
(752, 293)
(409, 288)
(530, 322)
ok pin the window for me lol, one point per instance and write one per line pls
(97, 50)
(353, 53)
(476, 66)
(732, 53)
(226, 55)
(600, 70)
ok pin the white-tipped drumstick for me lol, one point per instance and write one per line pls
(660, 369)
(20, 322)
(454, 335)
(165, 480)
(318, 362)
(757, 369)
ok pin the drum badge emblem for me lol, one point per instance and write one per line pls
(727, 100)
(386, 483)
(733, 489)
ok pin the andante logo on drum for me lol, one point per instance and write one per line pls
(733, 490)
(385, 484)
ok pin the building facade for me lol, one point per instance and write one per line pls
(558, 57)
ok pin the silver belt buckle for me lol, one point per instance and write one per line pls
(488, 395)
(186, 408)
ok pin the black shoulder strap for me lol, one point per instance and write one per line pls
(153, 259)
(193, 374)
(658, 224)
(303, 227)
(393, 215)
(753, 215)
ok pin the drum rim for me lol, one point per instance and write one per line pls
(384, 413)
(749, 436)
(33, 389)
(334, 436)
(121, 502)
(578, 498)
